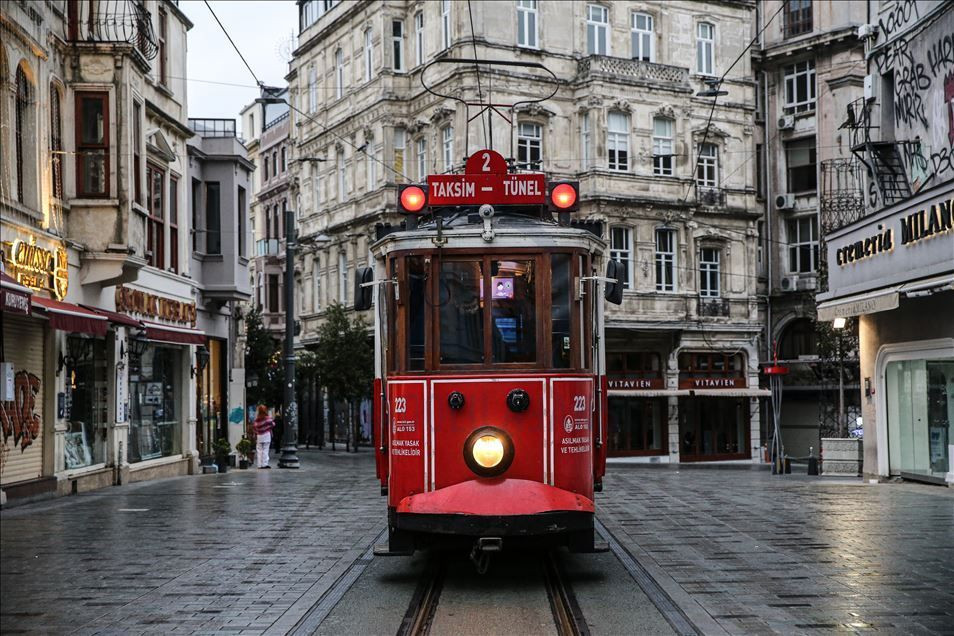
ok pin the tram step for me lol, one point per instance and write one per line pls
(385, 550)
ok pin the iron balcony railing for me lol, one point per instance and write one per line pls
(713, 307)
(710, 197)
(622, 68)
(212, 127)
(842, 199)
(110, 21)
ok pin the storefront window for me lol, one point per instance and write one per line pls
(211, 395)
(920, 409)
(85, 441)
(154, 393)
(712, 428)
(637, 425)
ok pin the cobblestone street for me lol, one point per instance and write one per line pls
(737, 550)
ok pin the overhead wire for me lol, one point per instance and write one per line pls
(480, 96)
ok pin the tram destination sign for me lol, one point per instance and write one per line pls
(495, 189)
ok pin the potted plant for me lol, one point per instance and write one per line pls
(222, 450)
(245, 448)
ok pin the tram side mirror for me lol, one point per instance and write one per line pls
(362, 293)
(614, 287)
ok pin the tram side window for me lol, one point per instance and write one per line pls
(514, 319)
(461, 312)
(416, 313)
(561, 274)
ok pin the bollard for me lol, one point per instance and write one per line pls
(788, 466)
(812, 462)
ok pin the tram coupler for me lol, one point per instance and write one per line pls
(483, 548)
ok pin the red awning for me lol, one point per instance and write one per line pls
(115, 317)
(14, 297)
(70, 317)
(177, 335)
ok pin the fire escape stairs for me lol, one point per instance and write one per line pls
(883, 161)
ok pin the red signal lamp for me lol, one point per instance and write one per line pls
(564, 196)
(412, 199)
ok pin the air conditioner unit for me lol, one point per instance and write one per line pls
(866, 31)
(786, 122)
(789, 283)
(785, 201)
(869, 87)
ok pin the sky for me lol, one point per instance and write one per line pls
(262, 31)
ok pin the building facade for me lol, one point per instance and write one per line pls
(891, 264)
(103, 346)
(809, 68)
(665, 176)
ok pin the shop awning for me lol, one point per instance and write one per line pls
(177, 335)
(70, 318)
(868, 303)
(929, 285)
(115, 317)
(645, 392)
(14, 297)
(731, 392)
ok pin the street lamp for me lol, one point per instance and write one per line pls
(839, 324)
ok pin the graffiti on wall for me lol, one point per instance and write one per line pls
(18, 416)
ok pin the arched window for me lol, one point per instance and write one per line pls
(25, 134)
(798, 339)
(56, 141)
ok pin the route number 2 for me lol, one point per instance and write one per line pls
(579, 402)
(400, 405)
(486, 166)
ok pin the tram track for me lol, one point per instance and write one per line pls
(567, 616)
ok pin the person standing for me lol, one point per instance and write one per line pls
(263, 426)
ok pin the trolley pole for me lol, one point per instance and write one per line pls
(289, 456)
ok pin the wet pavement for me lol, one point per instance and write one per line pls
(737, 550)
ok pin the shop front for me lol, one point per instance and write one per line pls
(714, 412)
(638, 405)
(895, 271)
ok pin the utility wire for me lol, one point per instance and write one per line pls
(225, 31)
(480, 96)
(261, 85)
(716, 85)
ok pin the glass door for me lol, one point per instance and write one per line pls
(920, 408)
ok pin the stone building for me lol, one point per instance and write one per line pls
(809, 68)
(103, 304)
(667, 186)
(891, 261)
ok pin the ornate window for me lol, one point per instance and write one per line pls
(397, 44)
(339, 73)
(705, 48)
(663, 146)
(597, 30)
(617, 141)
(25, 132)
(92, 145)
(585, 141)
(802, 244)
(621, 249)
(707, 168)
(800, 166)
(641, 28)
(529, 146)
(527, 23)
(665, 260)
(798, 17)
(368, 54)
(421, 159)
(419, 37)
(447, 135)
(56, 142)
(155, 224)
(174, 223)
(710, 272)
(445, 24)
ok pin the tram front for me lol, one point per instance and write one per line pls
(489, 395)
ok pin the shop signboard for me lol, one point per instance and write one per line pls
(135, 301)
(39, 266)
(710, 383)
(623, 383)
(903, 243)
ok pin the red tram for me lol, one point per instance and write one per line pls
(489, 397)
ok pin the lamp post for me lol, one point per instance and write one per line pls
(839, 325)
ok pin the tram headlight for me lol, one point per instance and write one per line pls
(488, 451)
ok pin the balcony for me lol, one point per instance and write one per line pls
(715, 307)
(267, 247)
(710, 197)
(110, 22)
(618, 68)
(212, 127)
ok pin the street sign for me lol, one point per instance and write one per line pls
(485, 180)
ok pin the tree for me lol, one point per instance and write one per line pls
(263, 360)
(344, 357)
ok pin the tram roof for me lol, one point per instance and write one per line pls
(464, 230)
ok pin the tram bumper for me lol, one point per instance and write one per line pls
(499, 507)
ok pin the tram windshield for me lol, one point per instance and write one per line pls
(465, 311)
